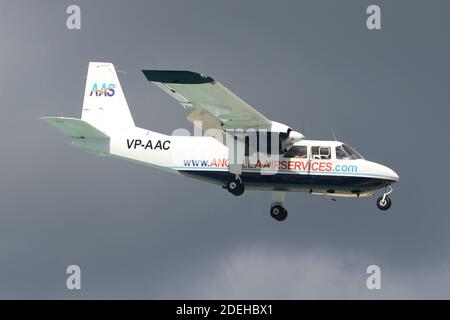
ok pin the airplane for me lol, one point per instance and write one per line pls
(238, 147)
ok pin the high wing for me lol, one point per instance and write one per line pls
(213, 104)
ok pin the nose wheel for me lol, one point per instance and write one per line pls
(384, 202)
(278, 212)
(236, 186)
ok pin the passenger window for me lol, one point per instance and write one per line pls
(321, 153)
(300, 152)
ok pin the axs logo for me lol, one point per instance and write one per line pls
(105, 90)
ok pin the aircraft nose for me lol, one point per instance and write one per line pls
(391, 174)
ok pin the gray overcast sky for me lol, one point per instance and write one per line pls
(140, 233)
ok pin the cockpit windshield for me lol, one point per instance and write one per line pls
(346, 152)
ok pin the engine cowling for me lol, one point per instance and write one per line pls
(287, 136)
(290, 140)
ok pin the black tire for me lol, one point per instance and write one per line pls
(235, 187)
(278, 212)
(239, 190)
(384, 205)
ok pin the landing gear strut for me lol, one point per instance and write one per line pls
(236, 186)
(278, 212)
(384, 202)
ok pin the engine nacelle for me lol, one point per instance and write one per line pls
(288, 137)
(279, 127)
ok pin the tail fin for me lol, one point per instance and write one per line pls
(104, 105)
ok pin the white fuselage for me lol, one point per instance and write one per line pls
(206, 158)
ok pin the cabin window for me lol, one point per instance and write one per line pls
(321, 153)
(297, 152)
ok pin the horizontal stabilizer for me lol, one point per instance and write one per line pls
(75, 128)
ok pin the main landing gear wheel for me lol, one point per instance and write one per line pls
(278, 212)
(236, 186)
(384, 202)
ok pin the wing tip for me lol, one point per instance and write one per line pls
(177, 76)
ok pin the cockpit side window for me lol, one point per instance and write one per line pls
(345, 152)
(321, 153)
(297, 152)
(341, 154)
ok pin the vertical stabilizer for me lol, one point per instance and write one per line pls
(104, 105)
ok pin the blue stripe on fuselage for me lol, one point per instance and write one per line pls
(295, 181)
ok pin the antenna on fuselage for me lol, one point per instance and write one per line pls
(334, 135)
(303, 129)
